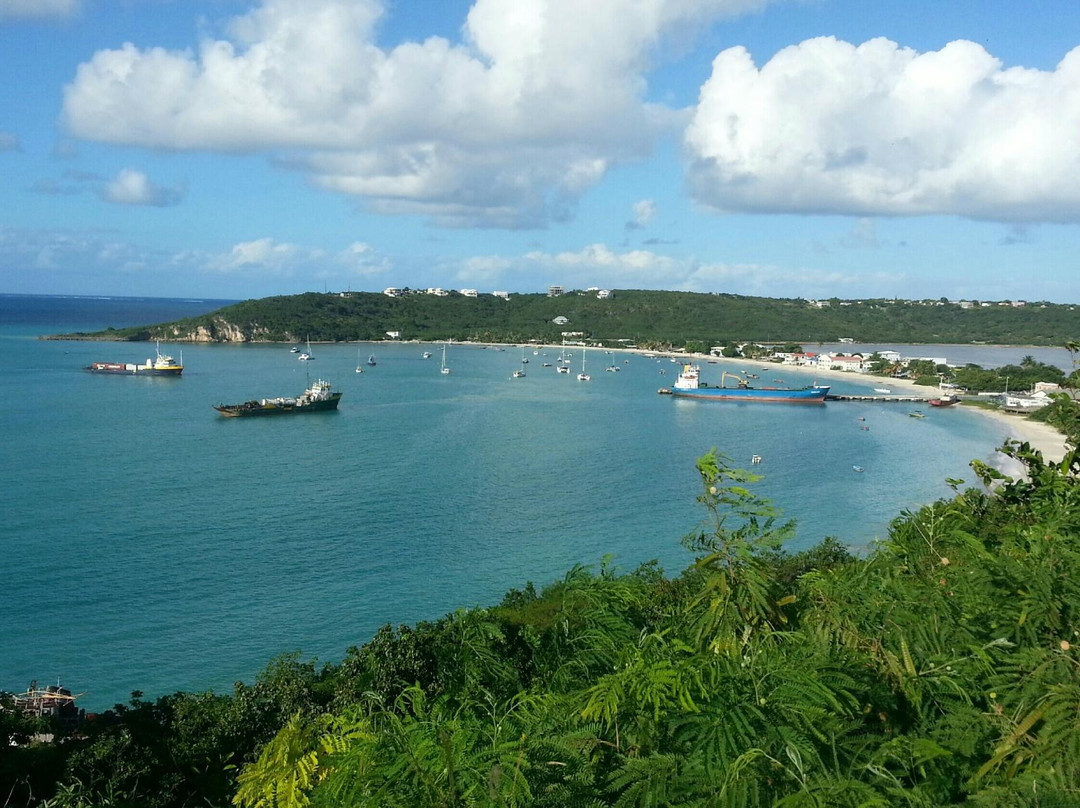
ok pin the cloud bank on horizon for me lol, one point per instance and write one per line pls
(515, 124)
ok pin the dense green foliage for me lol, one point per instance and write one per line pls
(1007, 377)
(941, 669)
(645, 318)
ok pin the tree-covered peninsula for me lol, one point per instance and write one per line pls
(943, 668)
(627, 317)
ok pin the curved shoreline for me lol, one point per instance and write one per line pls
(1014, 426)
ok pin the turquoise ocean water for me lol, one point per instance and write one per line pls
(148, 543)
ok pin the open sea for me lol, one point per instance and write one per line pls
(149, 544)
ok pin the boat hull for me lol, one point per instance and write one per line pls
(805, 395)
(123, 369)
(258, 409)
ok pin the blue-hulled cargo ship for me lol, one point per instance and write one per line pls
(689, 385)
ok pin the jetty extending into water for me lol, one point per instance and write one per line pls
(847, 397)
(902, 399)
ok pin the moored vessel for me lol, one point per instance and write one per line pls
(320, 397)
(159, 365)
(689, 385)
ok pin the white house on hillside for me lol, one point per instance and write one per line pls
(799, 359)
(852, 364)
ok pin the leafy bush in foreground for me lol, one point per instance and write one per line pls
(942, 669)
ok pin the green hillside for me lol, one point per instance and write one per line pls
(645, 318)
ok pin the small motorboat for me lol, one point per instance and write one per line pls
(944, 401)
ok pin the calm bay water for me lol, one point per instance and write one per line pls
(150, 544)
(987, 356)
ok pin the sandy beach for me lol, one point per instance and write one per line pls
(1014, 426)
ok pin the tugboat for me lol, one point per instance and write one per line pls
(317, 398)
(161, 365)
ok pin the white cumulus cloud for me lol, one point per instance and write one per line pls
(131, 187)
(266, 257)
(876, 129)
(362, 259)
(484, 269)
(644, 211)
(599, 265)
(264, 253)
(506, 128)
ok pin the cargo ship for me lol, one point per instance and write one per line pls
(160, 365)
(689, 385)
(317, 398)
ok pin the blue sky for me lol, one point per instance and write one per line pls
(786, 148)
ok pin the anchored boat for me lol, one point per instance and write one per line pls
(689, 385)
(317, 398)
(161, 365)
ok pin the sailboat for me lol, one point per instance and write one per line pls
(371, 360)
(358, 368)
(563, 366)
(583, 376)
(612, 368)
(519, 374)
(304, 357)
(445, 371)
